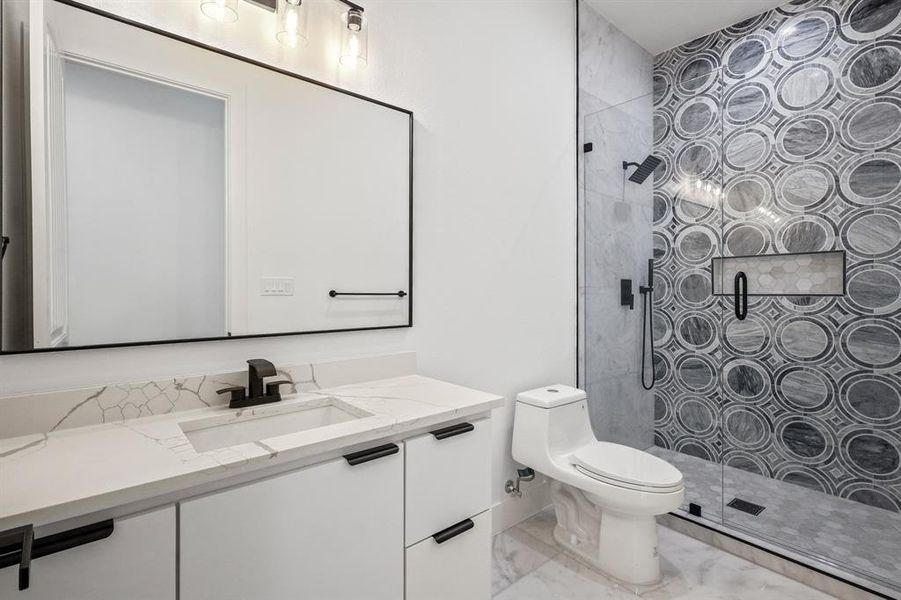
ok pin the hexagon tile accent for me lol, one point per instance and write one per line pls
(815, 274)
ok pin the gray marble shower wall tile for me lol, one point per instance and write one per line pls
(806, 389)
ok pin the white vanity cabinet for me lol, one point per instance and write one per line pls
(136, 562)
(448, 524)
(330, 531)
(393, 521)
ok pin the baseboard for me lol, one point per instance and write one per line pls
(837, 584)
(512, 510)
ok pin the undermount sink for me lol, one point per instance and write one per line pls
(223, 431)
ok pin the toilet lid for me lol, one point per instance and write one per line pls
(620, 464)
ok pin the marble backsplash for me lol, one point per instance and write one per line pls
(64, 409)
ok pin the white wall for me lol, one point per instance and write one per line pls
(492, 85)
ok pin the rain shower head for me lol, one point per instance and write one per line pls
(645, 168)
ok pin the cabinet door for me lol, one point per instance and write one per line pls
(458, 568)
(328, 532)
(136, 562)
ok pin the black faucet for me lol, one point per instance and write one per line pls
(258, 369)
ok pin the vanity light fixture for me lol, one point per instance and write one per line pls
(224, 11)
(291, 25)
(291, 18)
(353, 39)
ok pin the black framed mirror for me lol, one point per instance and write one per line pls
(169, 191)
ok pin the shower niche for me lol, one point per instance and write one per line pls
(805, 274)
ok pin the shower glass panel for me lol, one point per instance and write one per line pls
(780, 148)
(785, 419)
(687, 233)
(810, 383)
(616, 217)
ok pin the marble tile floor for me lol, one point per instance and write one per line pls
(529, 565)
(860, 538)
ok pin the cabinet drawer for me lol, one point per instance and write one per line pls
(447, 478)
(459, 568)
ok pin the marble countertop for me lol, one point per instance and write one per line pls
(46, 478)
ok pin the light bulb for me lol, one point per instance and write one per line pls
(354, 37)
(291, 23)
(224, 11)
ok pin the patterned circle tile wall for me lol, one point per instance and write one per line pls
(781, 134)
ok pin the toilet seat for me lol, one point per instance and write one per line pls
(626, 467)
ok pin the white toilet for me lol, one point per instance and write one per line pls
(605, 495)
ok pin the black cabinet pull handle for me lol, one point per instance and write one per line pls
(23, 551)
(16, 548)
(358, 458)
(453, 531)
(25, 558)
(741, 295)
(335, 294)
(446, 432)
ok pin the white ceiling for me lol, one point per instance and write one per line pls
(659, 25)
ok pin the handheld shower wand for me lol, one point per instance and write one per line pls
(647, 318)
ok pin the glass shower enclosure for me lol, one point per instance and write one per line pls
(774, 223)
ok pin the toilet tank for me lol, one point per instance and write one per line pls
(548, 423)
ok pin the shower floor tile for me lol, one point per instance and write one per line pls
(858, 537)
(529, 565)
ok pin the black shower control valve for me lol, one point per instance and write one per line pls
(626, 297)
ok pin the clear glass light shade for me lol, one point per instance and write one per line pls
(354, 37)
(291, 23)
(224, 11)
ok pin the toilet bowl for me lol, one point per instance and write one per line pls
(606, 495)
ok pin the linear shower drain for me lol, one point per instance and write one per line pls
(745, 506)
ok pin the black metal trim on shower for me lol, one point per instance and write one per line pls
(22, 553)
(626, 297)
(334, 294)
(644, 169)
(579, 160)
(453, 531)
(364, 456)
(741, 295)
(723, 532)
(647, 325)
(250, 61)
(447, 432)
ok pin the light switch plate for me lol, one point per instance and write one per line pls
(277, 286)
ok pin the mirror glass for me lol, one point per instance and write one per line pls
(156, 191)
